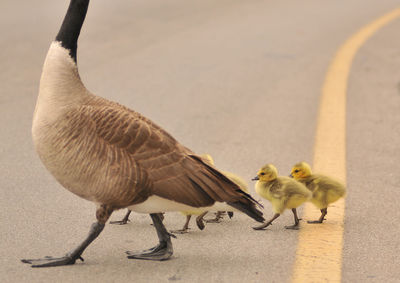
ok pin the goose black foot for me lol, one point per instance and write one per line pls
(49, 261)
(162, 251)
(72, 256)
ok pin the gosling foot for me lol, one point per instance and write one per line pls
(263, 226)
(49, 261)
(218, 217)
(315, 222)
(293, 227)
(124, 220)
(200, 224)
(180, 231)
(120, 222)
(162, 251)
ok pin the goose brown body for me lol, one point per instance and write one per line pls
(106, 153)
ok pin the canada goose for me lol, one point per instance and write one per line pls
(200, 218)
(115, 157)
(282, 192)
(325, 190)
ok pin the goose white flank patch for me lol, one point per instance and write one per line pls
(115, 157)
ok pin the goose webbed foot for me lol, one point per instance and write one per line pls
(72, 256)
(162, 251)
(49, 261)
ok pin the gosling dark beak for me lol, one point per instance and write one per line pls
(255, 178)
(291, 176)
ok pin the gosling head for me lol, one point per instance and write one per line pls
(266, 173)
(301, 170)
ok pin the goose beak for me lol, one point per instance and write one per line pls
(255, 178)
(291, 176)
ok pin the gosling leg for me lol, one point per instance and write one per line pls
(163, 250)
(124, 220)
(217, 219)
(185, 228)
(296, 221)
(265, 225)
(199, 220)
(102, 215)
(324, 212)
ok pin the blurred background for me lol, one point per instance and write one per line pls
(240, 80)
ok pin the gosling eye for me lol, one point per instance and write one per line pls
(296, 171)
(262, 173)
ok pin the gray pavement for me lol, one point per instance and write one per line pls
(239, 80)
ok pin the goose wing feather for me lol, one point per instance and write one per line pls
(163, 165)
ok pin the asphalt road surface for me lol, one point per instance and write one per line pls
(240, 80)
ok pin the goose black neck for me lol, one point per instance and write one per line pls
(71, 26)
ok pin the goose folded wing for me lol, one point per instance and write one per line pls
(171, 170)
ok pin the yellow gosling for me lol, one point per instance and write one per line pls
(325, 190)
(282, 192)
(201, 213)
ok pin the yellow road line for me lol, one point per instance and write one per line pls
(319, 250)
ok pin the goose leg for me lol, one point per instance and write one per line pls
(324, 212)
(124, 220)
(265, 225)
(199, 220)
(163, 250)
(296, 221)
(102, 214)
(185, 227)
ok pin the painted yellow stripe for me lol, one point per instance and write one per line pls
(319, 250)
